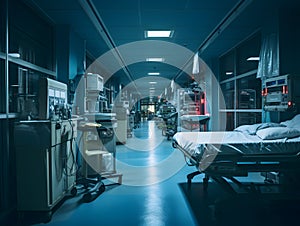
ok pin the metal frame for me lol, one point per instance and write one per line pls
(230, 166)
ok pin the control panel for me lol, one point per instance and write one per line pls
(280, 93)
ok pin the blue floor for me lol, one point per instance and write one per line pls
(150, 193)
(154, 192)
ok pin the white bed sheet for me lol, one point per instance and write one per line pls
(245, 140)
(204, 147)
(231, 137)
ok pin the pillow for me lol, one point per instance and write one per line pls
(286, 123)
(269, 124)
(248, 129)
(293, 123)
(277, 133)
(252, 129)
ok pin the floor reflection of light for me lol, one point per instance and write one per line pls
(156, 165)
(154, 214)
(152, 138)
(153, 209)
(153, 135)
(153, 158)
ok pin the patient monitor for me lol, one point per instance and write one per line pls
(280, 93)
(52, 99)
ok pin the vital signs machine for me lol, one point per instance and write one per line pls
(281, 93)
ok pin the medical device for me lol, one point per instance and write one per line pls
(262, 147)
(52, 99)
(94, 82)
(45, 163)
(94, 85)
(191, 102)
(280, 93)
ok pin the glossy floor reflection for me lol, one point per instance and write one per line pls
(149, 194)
(155, 193)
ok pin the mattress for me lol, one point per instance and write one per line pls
(206, 147)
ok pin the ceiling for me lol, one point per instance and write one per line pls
(211, 27)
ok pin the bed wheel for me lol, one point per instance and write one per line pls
(87, 197)
(102, 188)
(73, 191)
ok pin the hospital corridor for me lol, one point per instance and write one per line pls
(149, 112)
(136, 201)
(157, 201)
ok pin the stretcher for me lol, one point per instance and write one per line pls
(223, 156)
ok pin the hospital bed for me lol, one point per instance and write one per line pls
(224, 156)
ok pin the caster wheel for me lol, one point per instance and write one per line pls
(102, 188)
(74, 192)
(87, 197)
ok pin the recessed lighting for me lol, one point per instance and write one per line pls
(229, 73)
(15, 55)
(253, 59)
(155, 59)
(159, 34)
(152, 82)
(153, 73)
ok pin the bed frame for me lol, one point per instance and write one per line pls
(227, 166)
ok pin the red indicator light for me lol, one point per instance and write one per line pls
(290, 103)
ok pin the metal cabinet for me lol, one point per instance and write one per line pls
(45, 162)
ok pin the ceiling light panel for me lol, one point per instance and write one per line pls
(153, 73)
(155, 59)
(159, 34)
(253, 59)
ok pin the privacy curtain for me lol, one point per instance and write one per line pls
(268, 65)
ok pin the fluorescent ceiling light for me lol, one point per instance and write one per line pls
(153, 73)
(159, 34)
(15, 55)
(152, 82)
(253, 59)
(152, 88)
(155, 59)
(229, 73)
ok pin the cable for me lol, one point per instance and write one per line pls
(71, 171)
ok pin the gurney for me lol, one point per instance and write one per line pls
(223, 156)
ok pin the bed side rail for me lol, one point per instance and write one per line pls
(193, 161)
(240, 157)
